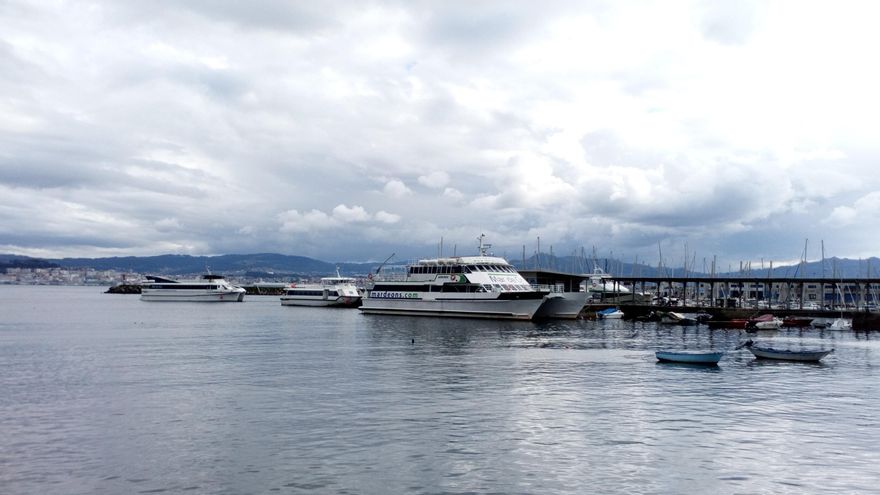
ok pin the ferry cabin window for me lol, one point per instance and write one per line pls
(179, 286)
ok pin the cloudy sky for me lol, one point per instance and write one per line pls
(350, 130)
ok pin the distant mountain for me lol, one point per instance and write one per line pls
(270, 265)
(832, 268)
(252, 264)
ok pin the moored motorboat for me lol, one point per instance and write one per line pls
(691, 357)
(765, 322)
(840, 324)
(832, 323)
(673, 318)
(609, 314)
(761, 352)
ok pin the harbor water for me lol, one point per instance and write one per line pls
(105, 393)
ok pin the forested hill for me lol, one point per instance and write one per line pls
(227, 263)
(271, 263)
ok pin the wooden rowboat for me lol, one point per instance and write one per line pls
(689, 357)
(785, 354)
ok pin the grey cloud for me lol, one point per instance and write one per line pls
(275, 15)
(729, 22)
(605, 148)
(294, 116)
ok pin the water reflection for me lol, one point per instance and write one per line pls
(258, 398)
(706, 368)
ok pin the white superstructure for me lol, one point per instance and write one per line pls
(210, 288)
(335, 291)
(482, 286)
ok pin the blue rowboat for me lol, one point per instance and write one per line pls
(689, 357)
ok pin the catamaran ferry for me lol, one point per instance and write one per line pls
(211, 288)
(335, 291)
(481, 286)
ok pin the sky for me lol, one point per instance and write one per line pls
(350, 130)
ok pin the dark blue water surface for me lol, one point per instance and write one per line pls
(105, 393)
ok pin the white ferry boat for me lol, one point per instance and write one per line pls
(335, 291)
(572, 297)
(210, 288)
(480, 286)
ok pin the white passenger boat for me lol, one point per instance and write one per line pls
(563, 305)
(210, 288)
(338, 291)
(482, 286)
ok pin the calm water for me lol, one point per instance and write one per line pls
(105, 393)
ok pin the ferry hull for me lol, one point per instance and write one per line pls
(563, 305)
(218, 297)
(341, 302)
(497, 309)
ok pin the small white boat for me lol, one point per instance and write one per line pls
(785, 354)
(609, 314)
(832, 324)
(673, 318)
(840, 324)
(689, 357)
(765, 322)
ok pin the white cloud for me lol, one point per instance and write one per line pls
(435, 180)
(352, 214)
(396, 189)
(842, 216)
(385, 217)
(293, 221)
(453, 194)
(861, 212)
